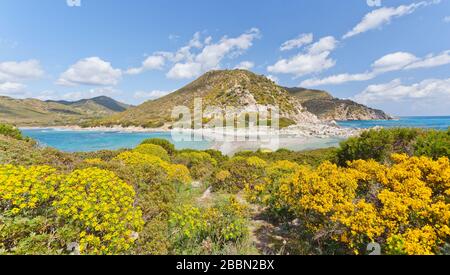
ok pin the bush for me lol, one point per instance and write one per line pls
(176, 173)
(404, 206)
(169, 147)
(378, 145)
(200, 164)
(434, 144)
(10, 131)
(310, 157)
(44, 211)
(151, 149)
(237, 173)
(209, 230)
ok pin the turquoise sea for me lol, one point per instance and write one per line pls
(87, 141)
(434, 122)
(84, 141)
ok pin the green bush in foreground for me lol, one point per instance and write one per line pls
(434, 144)
(380, 144)
(208, 230)
(10, 131)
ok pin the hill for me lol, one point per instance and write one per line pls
(100, 104)
(244, 90)
(35, 112)
(327, 107)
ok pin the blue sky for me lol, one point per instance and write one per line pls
(393, 55)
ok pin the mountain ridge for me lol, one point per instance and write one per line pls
(246, 91)
(35, 112)
(327, 107)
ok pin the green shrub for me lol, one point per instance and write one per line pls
(235, 174)
(10, 131)
(200, 164)
(169, 147)
(434, 144)
(378, 145)
(208, 230)
(151, 149)
(309, 157)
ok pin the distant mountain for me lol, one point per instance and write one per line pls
(242, 89)
(100, 104)
(34, 112)
(327, 107)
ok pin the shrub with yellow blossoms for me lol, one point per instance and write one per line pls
(175, 172)
(26, 188)
(405, 207)
(99, 203)
(43, 211)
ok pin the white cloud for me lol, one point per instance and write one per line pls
(151, 95)
(337, 79)
(13, 71)
(447, 19)
(393, 62)
(245, 65)
(153, 62)
(315, 59)
(374, 3)
(382, 16)
(210, 57)
(185, 70)
(90, 71)
(431, 61)
(273, 78)
(302, 39)
(432, 90)
(388, 63)
(11, 88)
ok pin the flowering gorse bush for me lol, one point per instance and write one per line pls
(152, 149)
(102, 206)
(405, 207)
(92, 208)
(175, 172)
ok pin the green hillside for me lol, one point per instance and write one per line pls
(34, 112)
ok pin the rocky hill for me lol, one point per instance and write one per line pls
(34, 112)
(327, 107)
(244, 90)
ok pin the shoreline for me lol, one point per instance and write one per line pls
(75, 128)
(306, 130)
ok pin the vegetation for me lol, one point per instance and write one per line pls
(222, 88)
(10, 131)
(386, 186)
(31, 112)
(382, 143)
(403, 206)
(325, 106)
(169, 147)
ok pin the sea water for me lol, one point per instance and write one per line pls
(85, 141)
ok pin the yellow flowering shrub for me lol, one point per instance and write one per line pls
(152, 149)
(175, 172)
(404, 206)
(26, 188)
(91, 207)
(102, 205)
